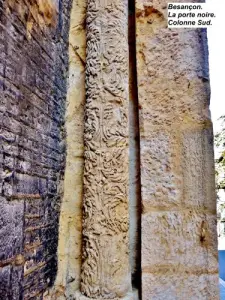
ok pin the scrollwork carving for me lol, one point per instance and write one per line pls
(105, 268)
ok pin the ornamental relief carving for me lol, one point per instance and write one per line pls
(105, 269)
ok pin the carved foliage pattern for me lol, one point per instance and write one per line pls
(105, 269)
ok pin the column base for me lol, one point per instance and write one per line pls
(131, 296)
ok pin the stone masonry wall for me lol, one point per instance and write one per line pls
(33, 71)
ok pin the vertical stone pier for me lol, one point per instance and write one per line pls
(105, 269)
(172, 203)
(179, 238)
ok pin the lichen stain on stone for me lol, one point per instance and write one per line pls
(42, 12)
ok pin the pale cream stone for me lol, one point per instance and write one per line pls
(130, 296)
(161, 172)
(180, 286)
(198, 168)
(70, 231)
(179, 240)
(105, 272)
(179, 254)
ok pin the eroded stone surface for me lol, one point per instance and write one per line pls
(130, 296)
(198, 168)
(69, 246)
(179, 240)
(177, 172)
(161, 170)
(169, 286)
(105, 269)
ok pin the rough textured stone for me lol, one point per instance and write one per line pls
(198, 168)
(129, 296)
(177, 172)
(179, 240)
(69, 246)
(167, 286)
(105, 268)
(161, 173)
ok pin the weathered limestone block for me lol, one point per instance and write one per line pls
(179, 255)
(105, 269)
(5, 274)
(41, 12)
(179, 246)
(130, 296)
(198, 168)
(169, 286)
(180, 240)
(161, 170)
(70, 239)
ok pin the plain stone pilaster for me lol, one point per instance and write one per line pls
(179, 239)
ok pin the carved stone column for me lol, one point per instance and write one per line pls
(105, 268)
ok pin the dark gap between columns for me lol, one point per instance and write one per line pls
(134, 157)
